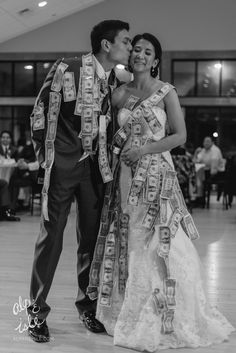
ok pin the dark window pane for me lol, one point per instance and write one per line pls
(201, 122)
(21, 121)
(209, 78)
(42, 70)
(24, 79)
(184, 77)
(229, 78)
(227, 129)
(5, 118)
(5, 79)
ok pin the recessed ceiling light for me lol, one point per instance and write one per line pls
(28, 67)
(42, 3)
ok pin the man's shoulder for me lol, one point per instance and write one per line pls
(72, 62)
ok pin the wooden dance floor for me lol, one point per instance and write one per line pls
(216, 247)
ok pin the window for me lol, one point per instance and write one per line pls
(205, 78)
(184, 77)
(208, 78)
(5, 79)
(229, 78)
(24, 79)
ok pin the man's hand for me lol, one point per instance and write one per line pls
(131, 155)
(21, 164)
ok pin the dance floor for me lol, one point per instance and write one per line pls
(216, 247)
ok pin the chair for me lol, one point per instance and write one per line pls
(35, 196)
(220, 181)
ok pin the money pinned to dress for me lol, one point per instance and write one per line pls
(164, 241)
(167, 321)
(168, 184)
(169, 290)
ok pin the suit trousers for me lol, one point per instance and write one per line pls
(82, 183)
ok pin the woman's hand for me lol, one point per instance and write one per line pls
(131, 155)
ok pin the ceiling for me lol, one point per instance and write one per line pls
(21, 16)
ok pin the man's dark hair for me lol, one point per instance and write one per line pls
(157, 47)
(107, 29)
(6, 132)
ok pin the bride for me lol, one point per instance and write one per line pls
(146, 273)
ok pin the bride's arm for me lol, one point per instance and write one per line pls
(177, 127)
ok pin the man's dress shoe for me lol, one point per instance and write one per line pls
(38, 331)
(91, 323)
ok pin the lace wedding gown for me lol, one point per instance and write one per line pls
(162, 303)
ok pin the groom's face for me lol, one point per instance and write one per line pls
(120, 50)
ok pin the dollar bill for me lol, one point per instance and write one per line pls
(38, 117)
(137, 113)
(174, 221)
(54, 105)
(150, 217)
(164, 241)
(69, 90)
(58, 77)
(136, 141)
(87, 142)
(124, 219)
(49, 154)
(107, 276)
(94, 274)
(163, 210)
(169, 289)
(99, 249)
(168, 184)
(87, 84)
(105, 300)
(167, 321)
(108, 264)
(159, 301)
(51, 130)
(130, 103)
(190, 227)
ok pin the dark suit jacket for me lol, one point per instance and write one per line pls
(13, 152)
(68, 147)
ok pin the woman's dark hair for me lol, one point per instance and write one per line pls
(107, 29)
(157, 47)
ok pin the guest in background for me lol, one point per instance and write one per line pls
(6, 213)
(7, 150)
(186, 174)
(210, 155)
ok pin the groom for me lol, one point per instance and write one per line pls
(71, 123)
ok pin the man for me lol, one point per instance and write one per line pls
(6, 149)
(70, 124)
(6, 213)
(211, 156)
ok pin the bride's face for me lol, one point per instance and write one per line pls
(142, 57)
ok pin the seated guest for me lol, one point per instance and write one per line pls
(210, 155)
(6, 213)
(185, 169)
(7, 150)
(25, 174)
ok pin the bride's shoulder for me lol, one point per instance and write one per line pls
(119, 95)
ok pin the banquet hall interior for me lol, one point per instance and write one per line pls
(199, 60)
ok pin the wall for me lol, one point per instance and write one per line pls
(179, 24)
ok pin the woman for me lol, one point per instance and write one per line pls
(146, 272)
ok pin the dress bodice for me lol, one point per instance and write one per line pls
(160, 115)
